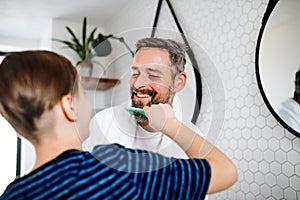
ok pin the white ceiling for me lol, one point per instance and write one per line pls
(25, 19)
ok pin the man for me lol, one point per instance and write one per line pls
(157, 74)
(42, 98)
(290, 110)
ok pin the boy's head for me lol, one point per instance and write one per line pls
(32, 82)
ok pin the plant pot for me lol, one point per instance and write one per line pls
(85, 69)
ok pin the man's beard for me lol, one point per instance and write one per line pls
(155, 99)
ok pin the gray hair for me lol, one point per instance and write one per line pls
(175, 49)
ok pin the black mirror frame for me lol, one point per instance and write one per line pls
(270, 7)
(190, 54)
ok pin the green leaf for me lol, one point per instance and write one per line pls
(82, 49)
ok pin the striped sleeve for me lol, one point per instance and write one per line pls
(159, 177)
(180, 179)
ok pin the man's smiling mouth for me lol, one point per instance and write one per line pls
(142, 95)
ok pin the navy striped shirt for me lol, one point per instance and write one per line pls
(113, 172)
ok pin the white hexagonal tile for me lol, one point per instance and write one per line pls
(289, 193)
(247, 155)
(277, 192)
(275, 168)
(260, 121)
(249, 101)
(288, 169)
(240, 103)
(269, 156)
(246, 133)
(256, 4)
(245, 112)
(258, 100)
(240, 195)
(256, 133)
(238, 154)
(265, 190)
(247, 7)
(245, 187)
(274, 144)
(296, 144)
(250, 122)
(293, 157)
(262, 144)
(270, 180)
(253, 166)
(254, 188)
(263, 167)
(248, 28)
(252, 144)
(267, 132)
(264, 111)
(252, 89)
(233, 144)
(241, 122)
(258, 155)
(236, 113)
(243, 165)
(295, 182)
(242, 144)
(285, 144)
(280, 156)
(250, 196)
(271, 121)
(249, 177)
(251, 46)
(282, 181)
(297, 170)
(278, 132)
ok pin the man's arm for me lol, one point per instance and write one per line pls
(223, 171)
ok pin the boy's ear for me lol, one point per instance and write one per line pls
(68, 107)
(180, 81)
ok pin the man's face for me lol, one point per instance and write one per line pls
(151, 79)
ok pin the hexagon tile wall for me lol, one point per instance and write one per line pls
(267, 156)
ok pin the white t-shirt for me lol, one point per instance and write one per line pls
(116, 125)
(290, 113)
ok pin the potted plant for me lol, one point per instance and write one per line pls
(81, 48)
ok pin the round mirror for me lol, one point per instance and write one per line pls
(278, 61)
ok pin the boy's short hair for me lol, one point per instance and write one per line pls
(32, 82)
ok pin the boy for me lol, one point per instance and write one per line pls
(42, 98)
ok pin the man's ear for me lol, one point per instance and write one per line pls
(180, 81)
(67, 106)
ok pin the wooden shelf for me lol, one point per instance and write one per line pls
(94, 83)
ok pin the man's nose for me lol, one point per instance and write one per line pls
(141, 81)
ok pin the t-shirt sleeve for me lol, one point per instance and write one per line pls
(159, 177)
(178, 179)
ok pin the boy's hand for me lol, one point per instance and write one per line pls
(158, 115)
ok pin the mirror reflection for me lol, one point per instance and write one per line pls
(279, 62)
